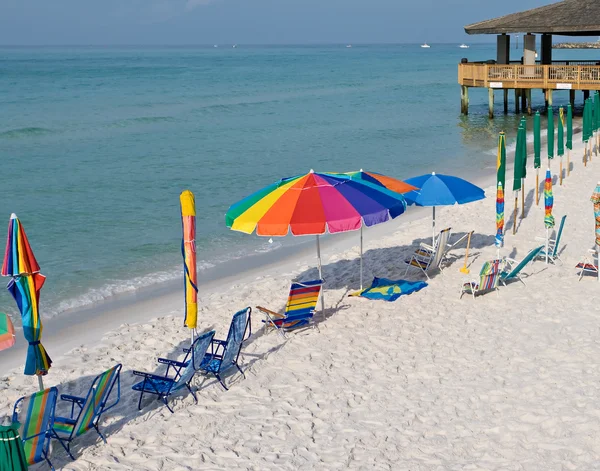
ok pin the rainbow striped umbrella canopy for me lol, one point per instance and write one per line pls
(26, 292)
(390, 183)
(18, 256)
(7, 332)
(188, 250)
(314, 204)
(499, 216)
(548, 201)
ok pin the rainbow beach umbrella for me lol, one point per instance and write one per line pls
(7, 332)
(548, 205)
(25, 285)
(314, 204)
(499, 242)
(391, 184)
(188, 251)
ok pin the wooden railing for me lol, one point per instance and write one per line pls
(576, 77)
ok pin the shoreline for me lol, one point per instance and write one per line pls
(85, 326)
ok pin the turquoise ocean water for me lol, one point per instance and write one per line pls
(96, 144)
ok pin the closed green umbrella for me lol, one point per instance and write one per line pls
(12, 455)
(523, 127)
(550, 134)
(585, 135)
(501, 160)
(596, 120)
(569, 136)
(537, 154)
(517, 175)
(561, 140)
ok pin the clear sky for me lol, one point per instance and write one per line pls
(114, 22)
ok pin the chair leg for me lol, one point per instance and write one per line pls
(166, 401)
(66, 447)
(193, 393)
(49, 462)
(221, 381)
(238, 367)
(99, 433)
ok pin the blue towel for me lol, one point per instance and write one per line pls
(390, 290)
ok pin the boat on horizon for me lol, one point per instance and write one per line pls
(349, 45)
(425, 45)
(463, 46)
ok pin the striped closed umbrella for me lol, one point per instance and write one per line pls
(188, 251)
(499, 240)
(548, 206)
(25, 285)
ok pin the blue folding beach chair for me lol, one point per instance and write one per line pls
(512, 270)
(178, 376)
(224, 354)
(36, 415)
(553, 244)
(90, 408)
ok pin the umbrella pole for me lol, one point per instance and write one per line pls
(547, 245)
(561, 170)
(568, 162)
(361, 257)
(522, 198)
(320, 276)
(537, 187)
(40, 382)
(585, 155)
(515, 213)
(433, 229)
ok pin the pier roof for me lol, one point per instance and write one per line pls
(565, 18)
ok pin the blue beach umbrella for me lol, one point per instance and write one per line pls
(441, 190)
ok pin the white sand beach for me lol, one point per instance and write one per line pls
(506, 381)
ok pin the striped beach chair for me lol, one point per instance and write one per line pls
(428, 258)
(178, 376)
(587, 265)
(89, 408)
(489, 276)
(224, 354)
(36, 414)
(299, 309)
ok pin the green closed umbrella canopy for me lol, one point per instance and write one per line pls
(501, 160)
(12, 455)
(518, 168)
(550, 133)
(561, 133)
(569, 127)
(537, 147)
(523, 127)
(596, 120)
(586, 121)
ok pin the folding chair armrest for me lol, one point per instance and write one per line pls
(451, 246)
(268, 311)
(539, 238)
(149, 375)
(77, 400)
(427, 247)
(166, 361)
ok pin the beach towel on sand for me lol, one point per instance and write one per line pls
(389, 290)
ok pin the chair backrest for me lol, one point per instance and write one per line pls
(303, 297)
(236, 337)
(558, 235)
(441, 245)
(36, 423)
(517, 268)
(489, 275)
(95, 403)
(197, 352)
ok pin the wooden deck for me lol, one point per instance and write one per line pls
(558, 76)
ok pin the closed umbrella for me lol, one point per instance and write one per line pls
(569, 136)
(548, 206)
(7, 332)
(314, 204)
(391, 184)
(596, 120)
(501, 160)
(595, 199)
(20, 263)
(517, 175)
(523, 128)
(585, 135)
(499, 240)
(188, 251)
(442, 190)
(537, 154)
(560, 143)
(12, 454)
